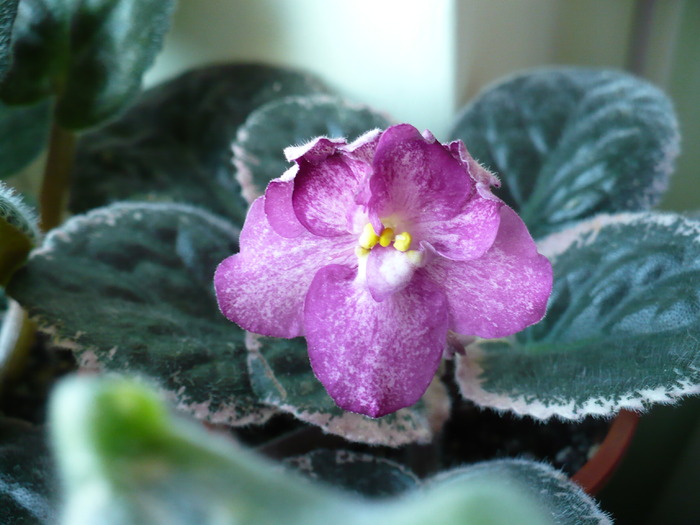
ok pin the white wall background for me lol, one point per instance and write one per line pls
(420, 60)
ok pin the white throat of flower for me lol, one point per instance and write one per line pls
(401, 242)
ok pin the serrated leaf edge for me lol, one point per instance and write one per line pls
(14, 203)
(468, 370)
(87, 357)
(111, 213)
(243, 160)
(303, 463)
(584, 233)
(359, 428)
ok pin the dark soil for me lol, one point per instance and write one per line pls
(25, 395)
(473, 434)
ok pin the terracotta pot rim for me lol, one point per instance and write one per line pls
(598, 470)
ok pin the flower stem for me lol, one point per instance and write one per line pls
(53, 196)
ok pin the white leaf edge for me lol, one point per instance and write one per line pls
(87, 356)
(419, 427)
(244, 162)
(468, 370)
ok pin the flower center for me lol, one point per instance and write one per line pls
(369, 239)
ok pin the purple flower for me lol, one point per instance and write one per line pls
(373, 251)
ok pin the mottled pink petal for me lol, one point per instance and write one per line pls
(468, 234)
(278, 205)
(364, 146)
(262, 288)
(480, 174)
(373, 357)
(315, 150)
(502, 292)
(416, 179)
(388, 271)
(325, 194)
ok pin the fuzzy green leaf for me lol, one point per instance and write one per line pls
(89, 54)
(129, 289)
(40, 50)
(18, 231)
(622, 328)
(282, 377)
(27, 490)
(175, 143)
(572, 142)
(260, 142)
(364, 474)
(112, 44)
(125, 460)
(561, 499)
(8, 12)
(23, 134)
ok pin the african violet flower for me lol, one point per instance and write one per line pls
(373, 251)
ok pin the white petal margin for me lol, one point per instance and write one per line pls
(469, 372)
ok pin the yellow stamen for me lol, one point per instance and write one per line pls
(368, 237)
(402, 241)
(360, 251)
(386, 237)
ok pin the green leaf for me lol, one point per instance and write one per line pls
(129, 289)
(572, 142)
(125, 460)
(90, 54)
(8, 12)
(115, 434)
(259, 146)
(175, 143)
(24, 131)
(40, 50)
(113, 42)
(27, 491)
(488, 494)
(281, 376)
(622, 328)
(18, 230)
(363, 474)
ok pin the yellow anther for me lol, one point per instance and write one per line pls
(360, 251)
(386, 237)
(368, 237)
(402, 241)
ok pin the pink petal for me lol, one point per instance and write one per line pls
(373, 358)
(324, 194)
(481, 175)
(468, 234)
(388, 271)
(502, 292)
(278, 205)
(262, 288)
(315, 151)
(364, 146)
(417, 179)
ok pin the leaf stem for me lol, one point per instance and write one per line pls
(55, 185)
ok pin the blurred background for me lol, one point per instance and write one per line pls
(420, 61)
